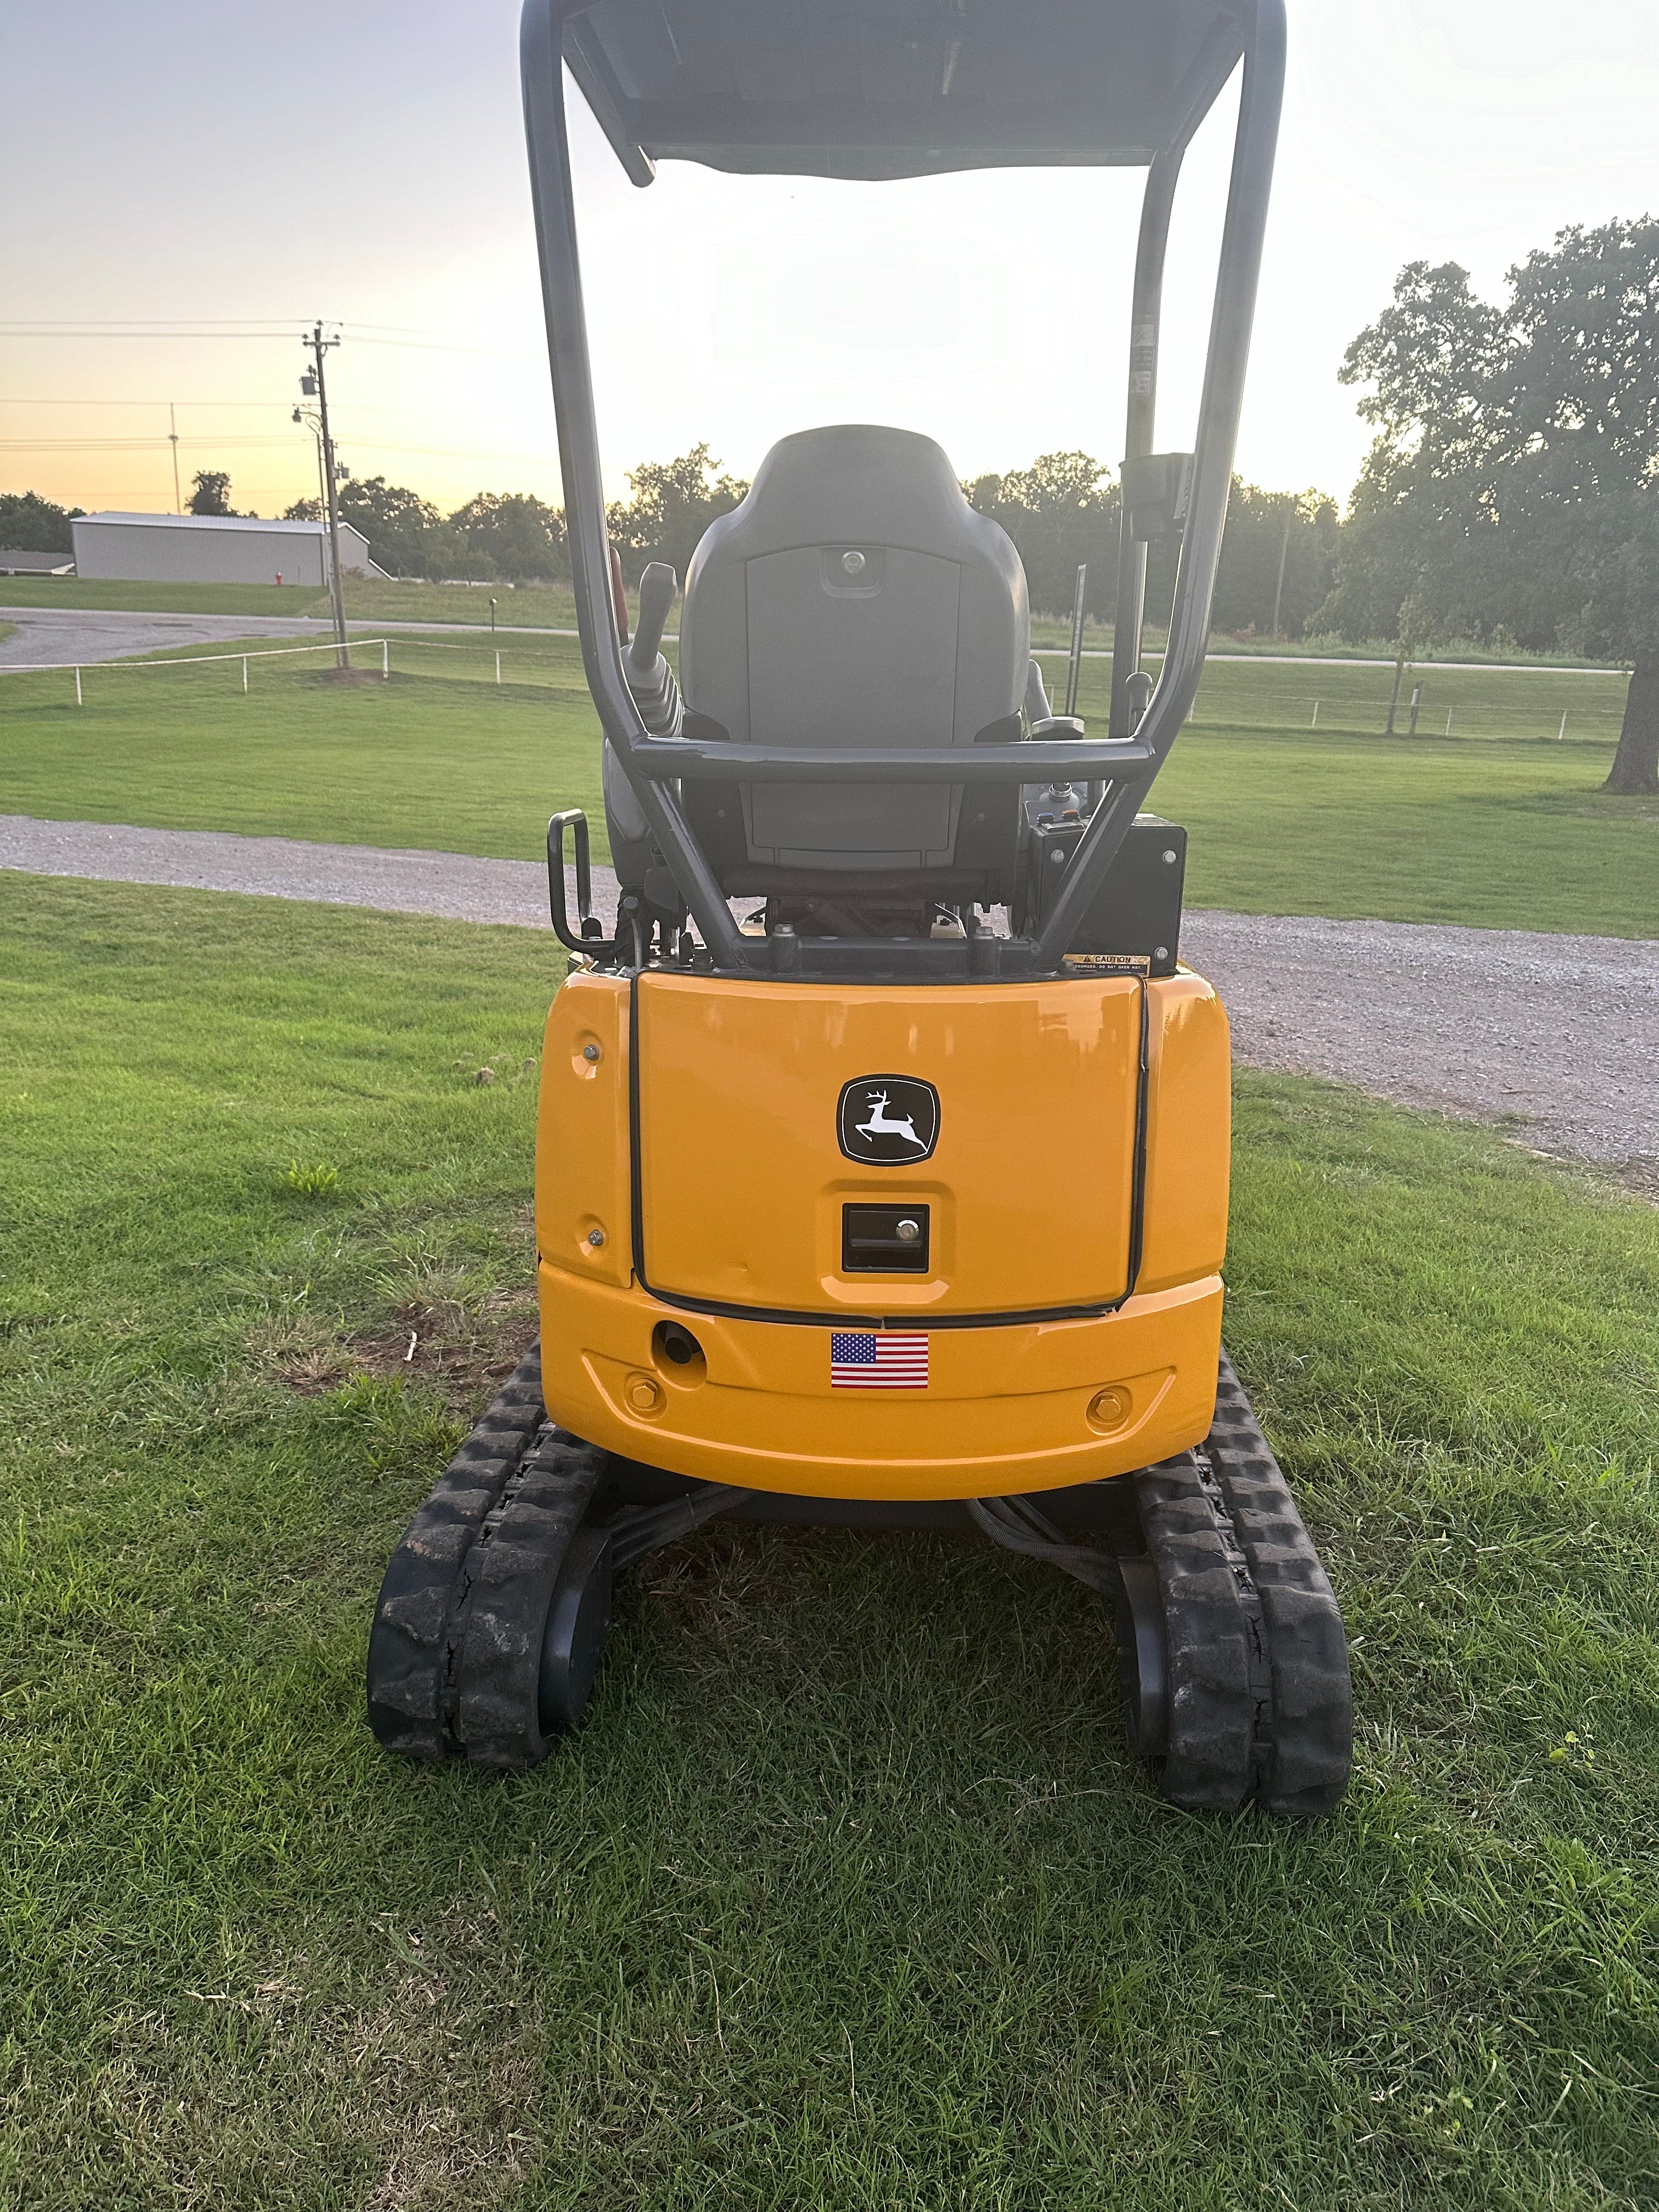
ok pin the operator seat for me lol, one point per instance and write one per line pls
(854, 598)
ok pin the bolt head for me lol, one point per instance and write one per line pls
(1160, 952)
(596, 1238)
(852, 563)
(1109, 1409)
(644, 1393)
(590, 1052)
(908, 1232)
(1169, 859)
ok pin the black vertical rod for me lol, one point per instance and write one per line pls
(541, 65)
(1074, 666)
(1237, 282)
(1145, 311)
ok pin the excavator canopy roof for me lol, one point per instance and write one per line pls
(877, 88)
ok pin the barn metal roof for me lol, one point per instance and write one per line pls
(219, 522)
(877, 88)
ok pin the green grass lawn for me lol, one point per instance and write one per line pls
(443, 759)
(848, 1895)
(1488, 830)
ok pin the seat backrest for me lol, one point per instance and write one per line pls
(854, 598)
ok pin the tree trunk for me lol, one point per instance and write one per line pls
(1635, 771)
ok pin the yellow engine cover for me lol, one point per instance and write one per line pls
(693, 1168)
(1030, 1186)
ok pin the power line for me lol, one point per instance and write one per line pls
(254, 439)
(57, 401)
(365, 334)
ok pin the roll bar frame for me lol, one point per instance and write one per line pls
(1128, 760)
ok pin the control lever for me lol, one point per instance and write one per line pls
(657, 589)
(1037, 709)
(650, 679)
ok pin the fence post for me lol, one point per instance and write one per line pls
(498, 668)
(245, 672)
(1449, 712)
(1416, 707)
(1394, 703)
(385, 660)
(1562, 732)
(78, 701)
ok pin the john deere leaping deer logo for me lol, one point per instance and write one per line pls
(884, 1120)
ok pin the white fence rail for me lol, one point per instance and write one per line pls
(195, 660)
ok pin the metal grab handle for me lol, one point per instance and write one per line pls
(664, 760)
(592, 940)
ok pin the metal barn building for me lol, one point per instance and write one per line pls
(212, 548)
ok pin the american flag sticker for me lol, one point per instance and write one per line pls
(877, 1360)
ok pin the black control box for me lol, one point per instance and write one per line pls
(1136, 913)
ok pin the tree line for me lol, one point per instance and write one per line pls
(1277, 558)
(1061, 511)
(1510, 498)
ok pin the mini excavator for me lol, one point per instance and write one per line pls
(892, 939)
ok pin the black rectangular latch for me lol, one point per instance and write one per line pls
(884, 1240)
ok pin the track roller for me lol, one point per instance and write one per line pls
(1232, 1662)
(1143, 1659)
(574, 1637)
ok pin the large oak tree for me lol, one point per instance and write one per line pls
(1514, 482)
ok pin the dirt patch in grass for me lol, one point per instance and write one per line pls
(468, 1355)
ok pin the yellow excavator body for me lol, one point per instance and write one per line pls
(1015, 1289)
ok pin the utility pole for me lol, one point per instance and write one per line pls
(314, 385)
(1284, 555)
(173, 433)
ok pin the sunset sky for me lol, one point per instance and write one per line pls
(233, 171)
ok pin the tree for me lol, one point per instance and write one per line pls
(673, 503)
(30, 524)
(1515, 480)
(512, 534)
(1061, 511)
(1277, 558)
(212, 493)
(396, 521)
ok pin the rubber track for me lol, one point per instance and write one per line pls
(1312, 1732)
(494, 1644)
(454, 1653)
(409, 1643)
(1218, 1671)
(1261, 1696)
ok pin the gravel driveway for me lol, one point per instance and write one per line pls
(49, 636)
(1557, 1037)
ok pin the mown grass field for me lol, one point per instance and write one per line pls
(848, 1895)
(1492, 828)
